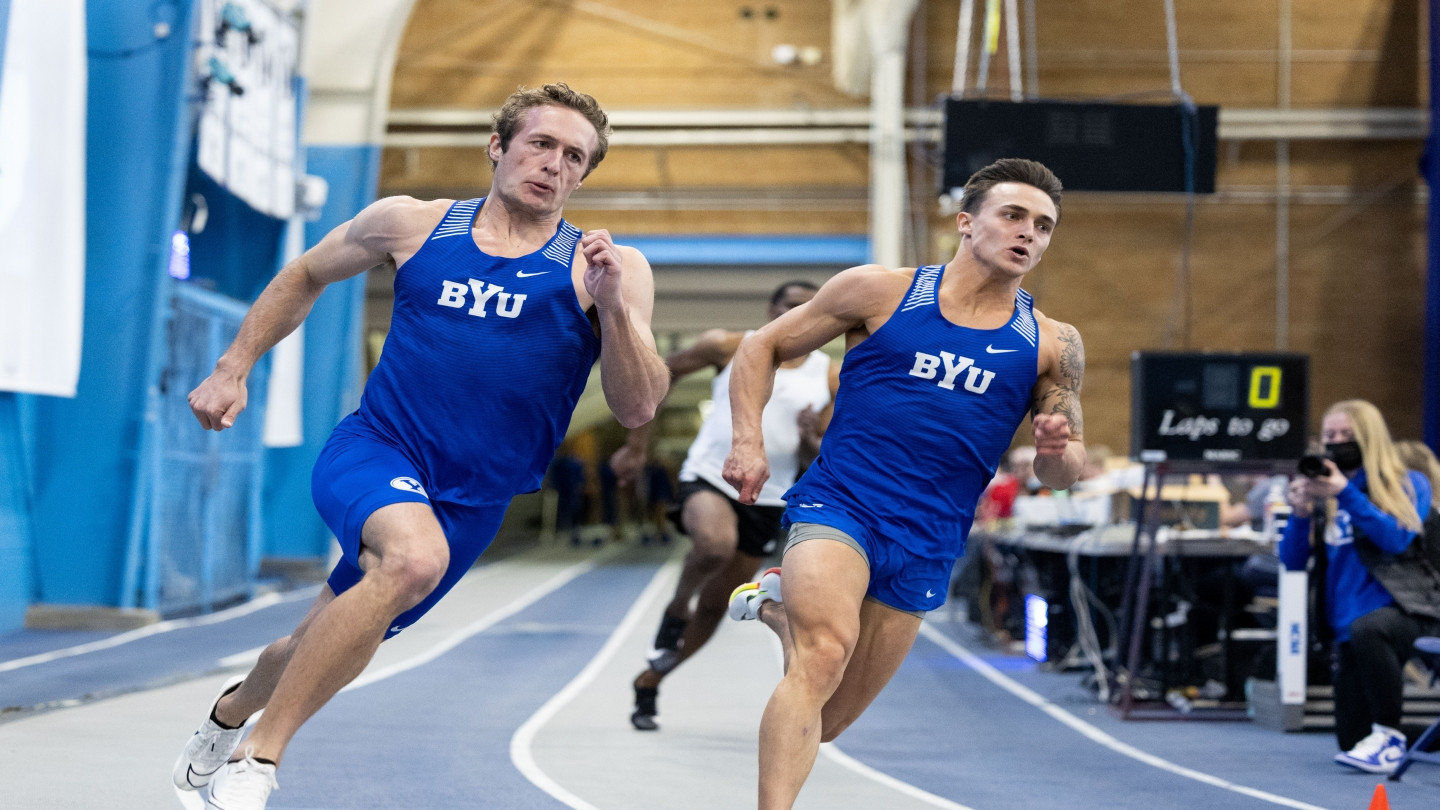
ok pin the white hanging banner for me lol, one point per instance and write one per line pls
(284, 413)
(284, 423)
(42, 197)
(849, 47)
(250, 52)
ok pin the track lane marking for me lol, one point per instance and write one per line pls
(1033, 698)
(245, 609)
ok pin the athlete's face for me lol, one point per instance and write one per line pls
(546, 160)
(1012, 228)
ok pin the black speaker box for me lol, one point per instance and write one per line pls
(1089, 146)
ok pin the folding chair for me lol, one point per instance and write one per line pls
(1429, 649)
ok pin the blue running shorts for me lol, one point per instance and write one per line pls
(898, 578)
(357, 473)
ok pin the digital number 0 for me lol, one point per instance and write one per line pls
(1265, 386)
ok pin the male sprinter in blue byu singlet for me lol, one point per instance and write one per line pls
(943, 363)
(501, 309)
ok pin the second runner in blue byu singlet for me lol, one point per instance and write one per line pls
(960, 393)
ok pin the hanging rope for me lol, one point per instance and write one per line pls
(1012, 46)
(1032, 57)
(1173, 45)
(990, 44)
(991, 36)
(962, 48)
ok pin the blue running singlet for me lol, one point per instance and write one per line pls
(925, 409)
(485, 361)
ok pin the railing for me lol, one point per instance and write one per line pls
(196, 532)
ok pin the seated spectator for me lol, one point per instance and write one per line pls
(1381, 593)
(1022, 466)
(1248, 508)
(1097, 461)
(1418, 457)
(997, 502)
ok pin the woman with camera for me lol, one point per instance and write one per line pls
(1381, 593)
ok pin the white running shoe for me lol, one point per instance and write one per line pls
(244, 784)
(208, 748)
(745, 601)
(1378, 753)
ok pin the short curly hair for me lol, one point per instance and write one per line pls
(559, 94)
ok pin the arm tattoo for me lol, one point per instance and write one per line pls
(1072, 356)
(1062, 394)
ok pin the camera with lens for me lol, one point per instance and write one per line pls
(1312, 465)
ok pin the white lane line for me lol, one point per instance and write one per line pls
(843, 759)
(236, 612)
(521, 744)
(253, 605)
(481, 625)
(1034, 699)
(190, 799)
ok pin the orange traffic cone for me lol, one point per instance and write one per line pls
(1379, 801)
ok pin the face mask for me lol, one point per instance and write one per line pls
(1346, 455)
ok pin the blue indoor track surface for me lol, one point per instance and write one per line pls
(515, 693)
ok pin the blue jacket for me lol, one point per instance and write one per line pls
(1351, 587)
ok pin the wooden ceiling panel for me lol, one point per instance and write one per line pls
(1366, 167)
(638, 168)
(713, 222)
(1355, 83)
(1355, 307)
(1244, 164)
(1379, 25)
(1357, 252)
(627, 53)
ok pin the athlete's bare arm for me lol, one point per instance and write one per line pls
(855, 303)
(1057, 422)
(387, 232)
(619, 282)
(713, 349)
(812, 424)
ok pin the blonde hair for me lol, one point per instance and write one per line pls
(1418, 457)
(1385, 474)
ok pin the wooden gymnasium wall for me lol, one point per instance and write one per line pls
(1356, 208)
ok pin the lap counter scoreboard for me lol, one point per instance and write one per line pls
(1238, 409)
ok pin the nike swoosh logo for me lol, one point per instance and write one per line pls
(993, 350)
(397, 628)
(523, 274)
(811, 505)
(190, 771)
(929, 594)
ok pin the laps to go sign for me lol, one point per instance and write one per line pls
(1219, 407)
